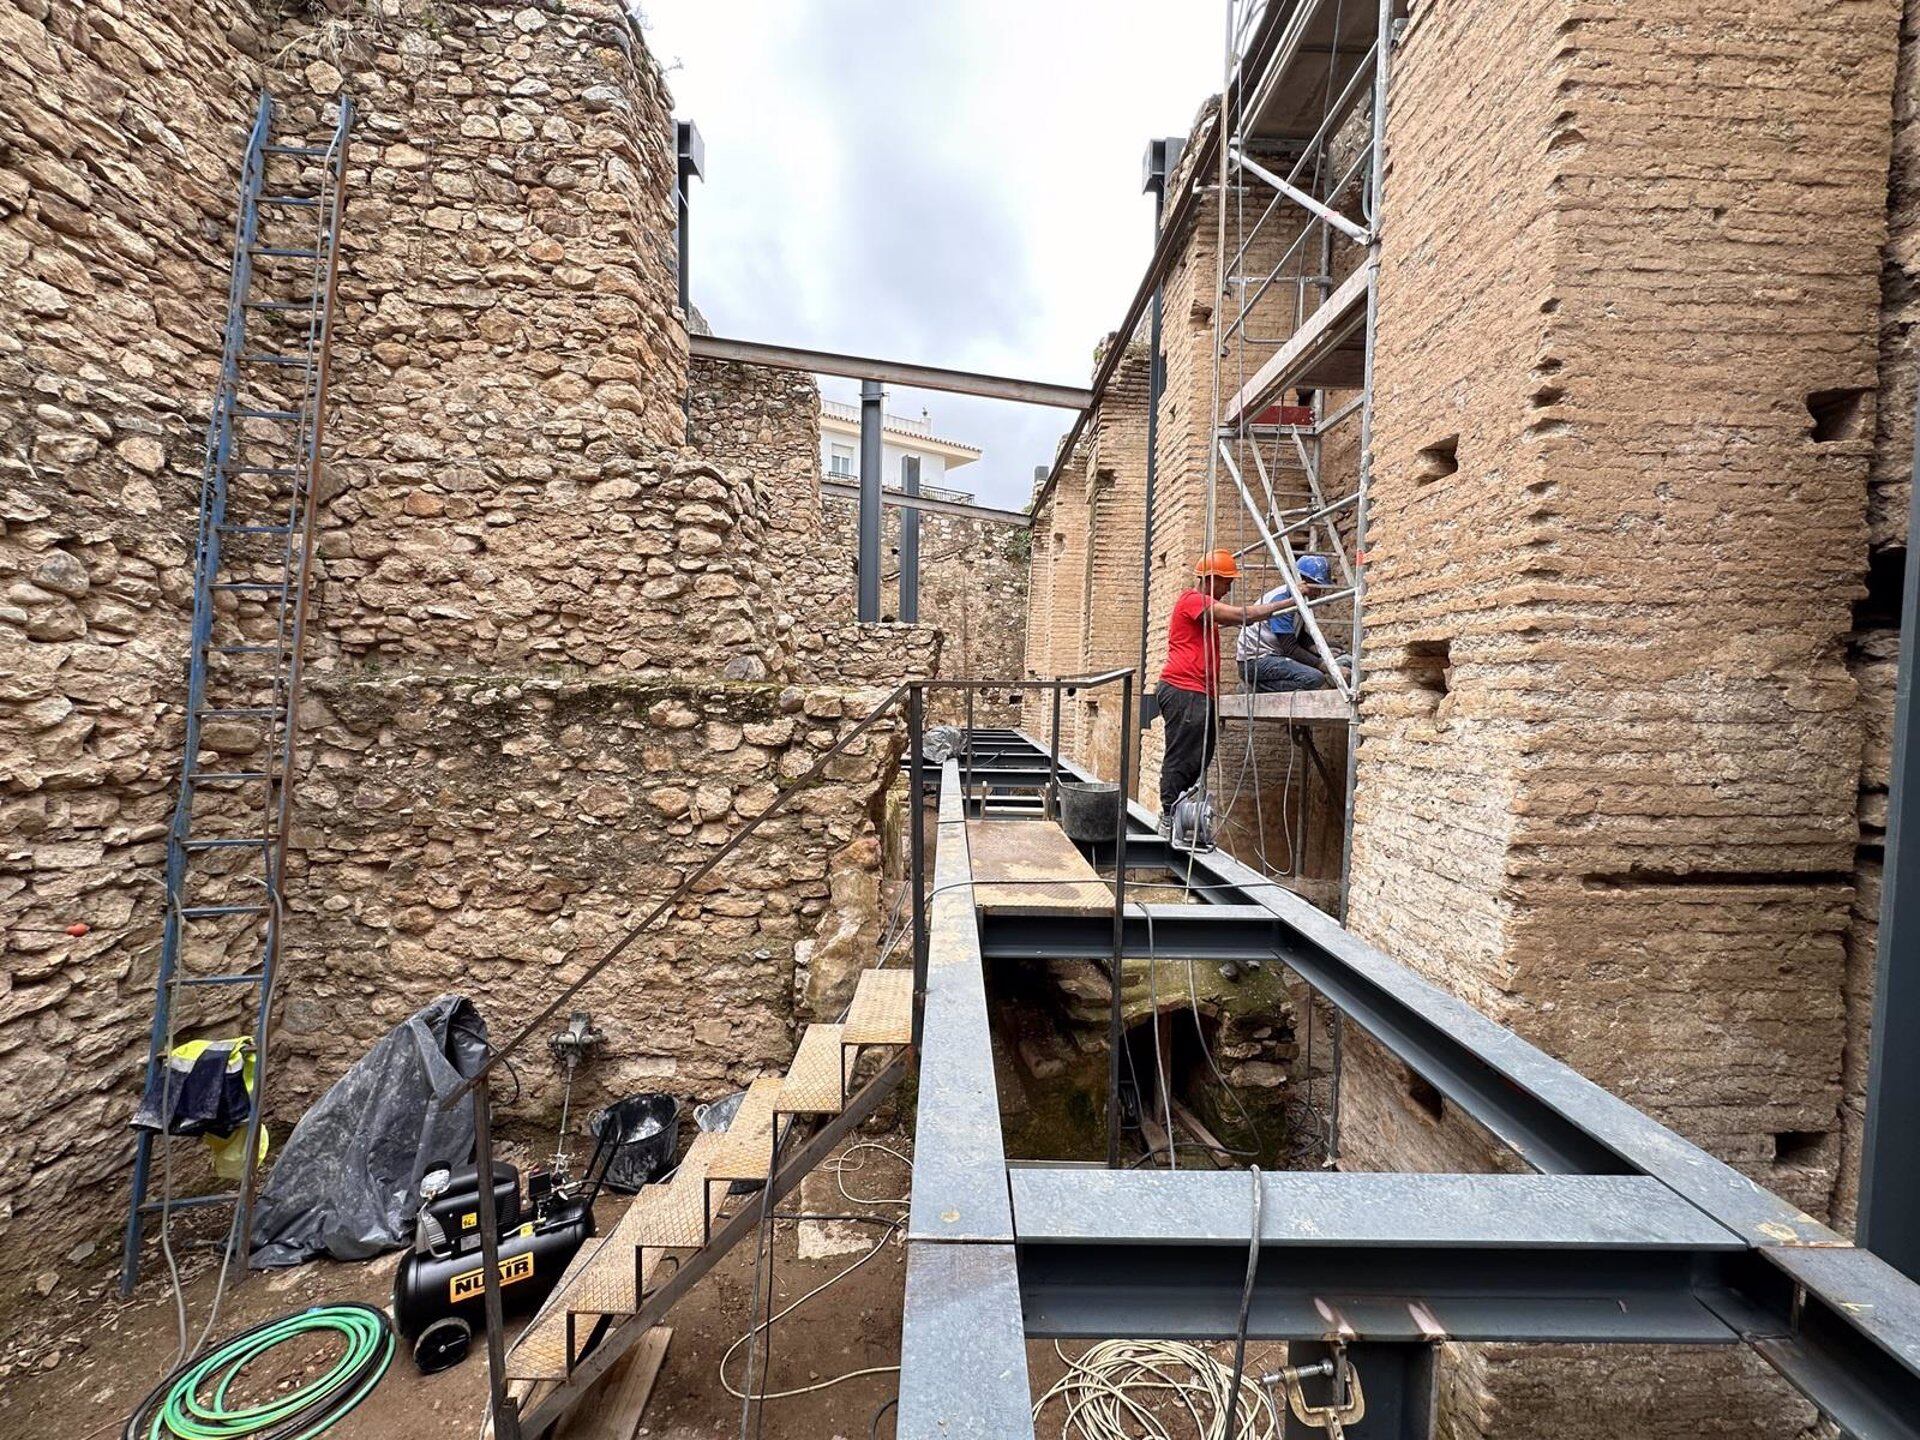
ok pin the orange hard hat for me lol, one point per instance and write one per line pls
(1219, 562)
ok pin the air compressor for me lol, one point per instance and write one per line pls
(439, 1291)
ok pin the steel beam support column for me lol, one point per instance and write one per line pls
(1395, 1380)
(1118, 961)
(909, 542)
(1162, 155)
(917, 849)
(690, 154)
(871, 399)
(1889, 1222)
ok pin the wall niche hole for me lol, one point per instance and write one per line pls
(1837, 414)
(1425, 1095)
(1429, 666)
(1436, 461)
(1798, 1147)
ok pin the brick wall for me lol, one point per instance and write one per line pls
(1873, 653)
(1608, 781)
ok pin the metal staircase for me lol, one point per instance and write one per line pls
(226, 848)
(674, 1232)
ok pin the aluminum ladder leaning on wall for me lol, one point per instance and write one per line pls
(226, 847)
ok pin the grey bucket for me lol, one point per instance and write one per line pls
(1089, 812)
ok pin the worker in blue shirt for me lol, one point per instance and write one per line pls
(1277, 655)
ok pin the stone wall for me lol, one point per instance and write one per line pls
(1611, 747)
(122, 129)
(506, 350)
(497, 832)
(767, 423)
(553, 658)
(973, 590)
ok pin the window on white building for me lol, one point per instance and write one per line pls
(840, 460)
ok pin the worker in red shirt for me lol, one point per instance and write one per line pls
(1190, 680)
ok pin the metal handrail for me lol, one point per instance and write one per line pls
(494, 1056)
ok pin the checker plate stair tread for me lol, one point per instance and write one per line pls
(601, 1281)
(882, 1009)
(541, 1351)
(815, 1083)
(745, 1151)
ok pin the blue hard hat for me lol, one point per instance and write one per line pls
(1315, 568)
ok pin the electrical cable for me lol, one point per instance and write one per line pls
(183, 1407)
(1105, 1393)
(1228, 1430)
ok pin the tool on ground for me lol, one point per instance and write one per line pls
(569, 1048)
(439, 1291)
(1194, 823)
(196, 1401)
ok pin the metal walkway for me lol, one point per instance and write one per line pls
(226, 848)
(1624, 1233)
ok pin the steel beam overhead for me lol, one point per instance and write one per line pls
(928, 504)
(890, 372)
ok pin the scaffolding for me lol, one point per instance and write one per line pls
(1298, 173)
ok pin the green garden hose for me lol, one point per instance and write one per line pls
(191, 1403)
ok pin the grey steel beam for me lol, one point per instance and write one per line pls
(959, 1173)
(909, 541)
(1331, 1209)
(929, 504)
(867, 556)
(890, 372)
(690, 157)
(963, 1349)
(1889, 1220)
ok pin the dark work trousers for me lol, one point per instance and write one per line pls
(1189, 719)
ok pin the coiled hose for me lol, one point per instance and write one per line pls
(191, 1403)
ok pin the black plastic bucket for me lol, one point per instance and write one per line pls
(642, 1130)
(1089, 812)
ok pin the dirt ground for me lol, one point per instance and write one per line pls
(74, 1370)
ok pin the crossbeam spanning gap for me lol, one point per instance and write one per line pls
(1628, 1234)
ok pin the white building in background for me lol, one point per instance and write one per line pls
(900, 437)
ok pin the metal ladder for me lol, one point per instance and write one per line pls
(226, 848)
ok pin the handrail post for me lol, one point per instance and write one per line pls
(966, 784)
(917, 849)
(1114, 1026)
(506, 1414)
(1053, 758)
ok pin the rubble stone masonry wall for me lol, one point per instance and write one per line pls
(119, 141)
(1611, 747)
(553, 660)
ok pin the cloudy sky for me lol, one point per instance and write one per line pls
(954, 183)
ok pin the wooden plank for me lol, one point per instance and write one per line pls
(1296, 707)
(1038, 866)
(613, 1409)
(1324, 352)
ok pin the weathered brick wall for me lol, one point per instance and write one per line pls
(1057, 610)
(1873, 653)
(122, 130)
(1611, 750)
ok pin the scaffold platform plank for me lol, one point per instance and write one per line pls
(1295, 707)
(1032, 865)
